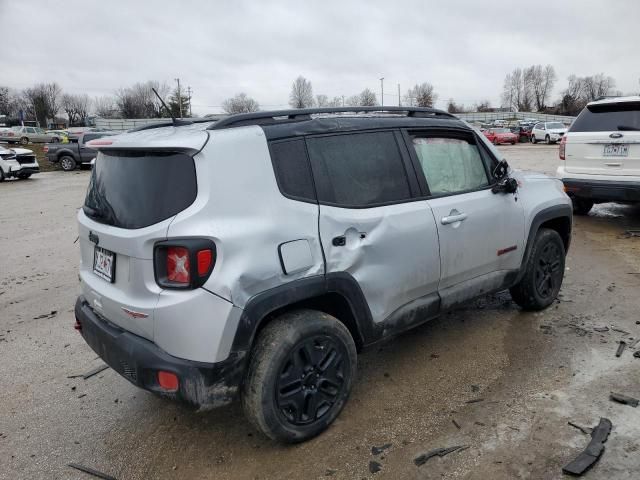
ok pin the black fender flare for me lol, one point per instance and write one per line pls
(544, 215)
(260, 306)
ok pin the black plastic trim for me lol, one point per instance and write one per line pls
(201, 385)
(550, 213)
(603, 190)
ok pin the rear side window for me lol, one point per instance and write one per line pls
(292, 169)
(138, 189)
(358, 170)
(450, 165)
(605, 118)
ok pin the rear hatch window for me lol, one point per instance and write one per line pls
(137, 189)
(608, 117)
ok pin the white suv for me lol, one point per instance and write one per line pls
(601, 154)
(254, 256)
(17, 163)
(549, 132)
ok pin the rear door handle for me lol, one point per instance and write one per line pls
(458, 217)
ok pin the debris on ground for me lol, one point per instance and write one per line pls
(91, 471)
(619, 330)
(46, 315)
(585, 430)
(374, 467)
(453, 420)
(593, 451)
(379, 450)
(439, 452)
(624, 399)
(602, 328)
(636, 354)
(330, 472)
(621, 348)
(631, 233)
(476, 400)
(95, 371)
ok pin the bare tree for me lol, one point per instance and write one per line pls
(597, 86)
(76, 107)
(582, 90)
(453, 107)
(422, 95)
(367, 98)
(301, 93)
(139, 101)
(4, 100)
(484, 106)
(240, 103)
(322, 101)
(517, 90)
(353, 101)
(542, 80)
(43, 100)
(105, 107)
(336, 102)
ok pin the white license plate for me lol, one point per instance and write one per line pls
(616, 150)
(104, 264)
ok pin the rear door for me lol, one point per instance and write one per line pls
(371, 225)
(131, 200)
(481, 233)
(605, 140)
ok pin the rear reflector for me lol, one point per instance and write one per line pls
(97, 143)
(77, 325)
(168, 381)
(205, 258)
(178, 266)
(563, 146)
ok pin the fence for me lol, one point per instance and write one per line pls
(488, 117)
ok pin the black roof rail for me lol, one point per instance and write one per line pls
(300, 114)
(178, 123)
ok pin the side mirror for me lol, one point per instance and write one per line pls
(501, 170)
(507, 185)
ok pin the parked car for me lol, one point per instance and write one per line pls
(255, 261)
(72, 155)
(17, 163)
(26, 135)
(523, 132)
(74, 132)
(500, 135)
(59, 136)
(550, 132)
(499, 123)
(600, 154)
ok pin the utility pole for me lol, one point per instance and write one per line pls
(343, 100)
(179, 97)
(399, 102)
(382, 91)
(190, 110)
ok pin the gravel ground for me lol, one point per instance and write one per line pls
(532, 372)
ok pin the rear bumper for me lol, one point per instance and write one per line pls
(603, 190)
(201, 385)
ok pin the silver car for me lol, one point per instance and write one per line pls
(26, 135)
(254, 256)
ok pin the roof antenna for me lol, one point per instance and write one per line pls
(176, 122)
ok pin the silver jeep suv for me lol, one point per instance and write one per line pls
(254, 256)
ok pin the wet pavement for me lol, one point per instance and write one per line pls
(489, 376)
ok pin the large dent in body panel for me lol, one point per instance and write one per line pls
(240, 208)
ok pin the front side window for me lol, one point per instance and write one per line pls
(358, 170)
(450, 165)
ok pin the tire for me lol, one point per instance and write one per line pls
(547, 140)
(581, 206)
(24, 176)
(55, 140)
(24, 140)
(495, 141)
(293, 345)
(68, 163)
(533, 139)
(1, 175)
(543, 274)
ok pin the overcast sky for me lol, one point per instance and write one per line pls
(220, 48)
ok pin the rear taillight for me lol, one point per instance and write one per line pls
(563, 146)
(178, 265)
(45, 149)
(184, 263)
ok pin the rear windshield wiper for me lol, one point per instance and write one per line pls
(99, 214)
(628, 128)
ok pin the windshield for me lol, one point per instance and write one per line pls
(138, 189)
(555, 125)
